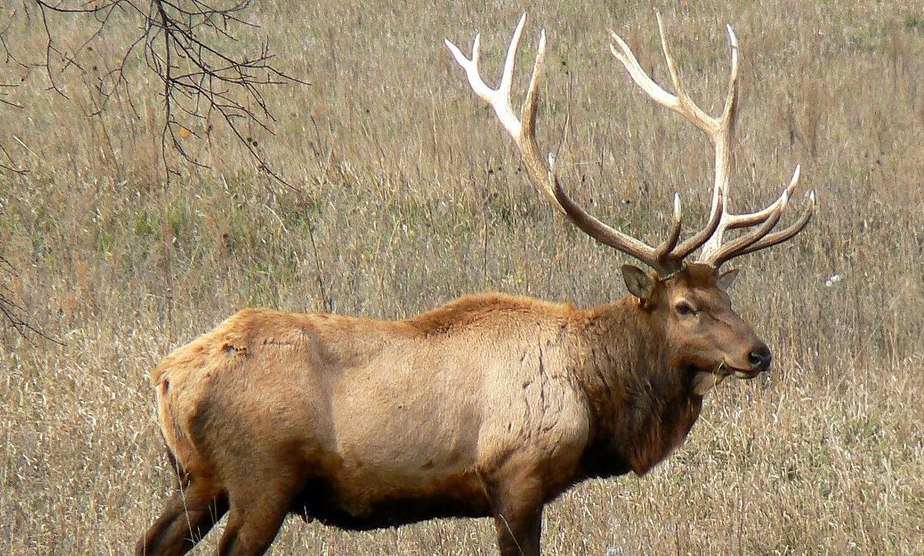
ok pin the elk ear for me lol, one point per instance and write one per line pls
(728, 278)
(639, 283)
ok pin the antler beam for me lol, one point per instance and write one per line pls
(668, 256)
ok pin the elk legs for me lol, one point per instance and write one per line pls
(516, 503)
(259, 505)
(188, 517)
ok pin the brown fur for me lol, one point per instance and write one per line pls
(491, 405)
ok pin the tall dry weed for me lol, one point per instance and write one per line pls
(410, 196)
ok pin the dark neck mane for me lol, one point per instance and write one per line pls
(641, 407)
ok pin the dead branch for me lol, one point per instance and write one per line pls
(196, 50)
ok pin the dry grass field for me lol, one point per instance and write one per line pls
(410, 195)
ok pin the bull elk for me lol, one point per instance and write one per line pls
(491, 405)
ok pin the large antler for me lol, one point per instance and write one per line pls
(668, 256)
(721, 133)
(663, 258)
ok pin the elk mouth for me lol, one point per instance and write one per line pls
(705, 379)
(724, 370)
(746, 374)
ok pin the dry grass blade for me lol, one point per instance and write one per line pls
(412, 202)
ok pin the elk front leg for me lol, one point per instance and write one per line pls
(517, 509)
(519, 531)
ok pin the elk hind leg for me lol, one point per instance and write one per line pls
(188, 516)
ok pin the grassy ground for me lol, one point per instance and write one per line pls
(413, 196)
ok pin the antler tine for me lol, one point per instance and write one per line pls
(541, 172)
(528, 127)
(686, 107)
(679, 101)
(717, 254)
(731, 98)
(670, 241)
(779, 237)
(734, 221)
(727, 251)
(641, 78)
(499, 98)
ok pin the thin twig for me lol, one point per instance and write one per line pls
(181, 44)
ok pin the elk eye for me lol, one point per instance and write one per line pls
(685, 308)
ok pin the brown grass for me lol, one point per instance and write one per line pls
(415, 197)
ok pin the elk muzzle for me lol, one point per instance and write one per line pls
(759, 359)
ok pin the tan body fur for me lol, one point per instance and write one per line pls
(380, 410)
(486, 403)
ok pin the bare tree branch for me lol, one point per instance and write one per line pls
(11, 313)
(193, 49)
(191, 46)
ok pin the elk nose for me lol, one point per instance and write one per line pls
(760, 358)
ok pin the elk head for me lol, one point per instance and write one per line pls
(687, 301)
(703, 335)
